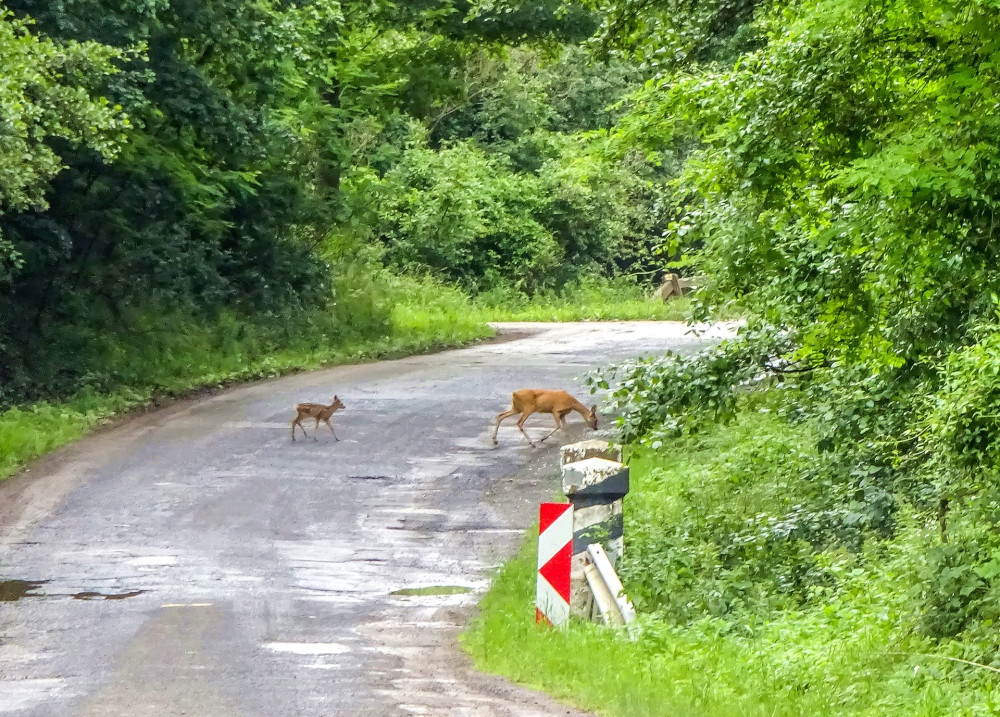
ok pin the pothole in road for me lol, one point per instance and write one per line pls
(13, 590)
(434, 590)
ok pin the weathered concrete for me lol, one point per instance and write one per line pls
(593, 448)
(595, 486)
(594, 476)
(267, 568)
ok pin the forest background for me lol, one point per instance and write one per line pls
(201, 191)
(198, 192)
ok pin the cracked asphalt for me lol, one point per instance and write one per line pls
(196, 561)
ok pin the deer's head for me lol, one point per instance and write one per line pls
(592, 417)
(337, 403)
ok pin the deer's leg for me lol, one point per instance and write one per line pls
(330, 426)
(506, 414)
(298, 422)
(559, 424)
(316, 428)
(520, 425)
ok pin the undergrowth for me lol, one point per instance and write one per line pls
(742, 611)
(597, 299)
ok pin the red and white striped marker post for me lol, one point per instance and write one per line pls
(555, 554)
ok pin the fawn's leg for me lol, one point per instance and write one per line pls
(297, 422)
(330, 426)
(316, 428)
(506, 414)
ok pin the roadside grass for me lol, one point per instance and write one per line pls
(182, 357)
(595, 300)
(850, 650)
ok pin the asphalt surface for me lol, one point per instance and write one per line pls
(196, 561)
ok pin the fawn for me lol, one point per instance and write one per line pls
(317, 411)
(542, 400)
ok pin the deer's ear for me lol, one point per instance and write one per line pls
(593, 409)
(335, 397)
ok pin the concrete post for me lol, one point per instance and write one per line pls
(594, 448)
(595, 485)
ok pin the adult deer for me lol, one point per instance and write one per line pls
(317, 411)
(543, 400)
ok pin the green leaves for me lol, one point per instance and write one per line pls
(48, 90)
(961, 426)
(840, 176)
(256, 145)
(467, 217)
(677, 394)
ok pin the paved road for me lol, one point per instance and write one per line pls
(195, 561)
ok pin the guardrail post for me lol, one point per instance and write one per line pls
(595, 481)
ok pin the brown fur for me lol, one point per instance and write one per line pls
(543, 400)
(317, 411)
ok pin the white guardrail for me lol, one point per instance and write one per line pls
(609, 595)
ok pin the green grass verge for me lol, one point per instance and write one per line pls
(619, 300)
(851, 649)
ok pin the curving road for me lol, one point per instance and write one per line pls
(194, 561)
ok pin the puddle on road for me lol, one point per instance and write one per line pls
(13, 590)
(434, 590)
(114, 596)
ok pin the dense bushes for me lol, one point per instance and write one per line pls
(838, 171)
(466, 216)
(804, 481)
(814, 522)
(236, 157)
(472, 219)
(748, 601)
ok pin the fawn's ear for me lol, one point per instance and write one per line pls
(335, 399)
(593, 410)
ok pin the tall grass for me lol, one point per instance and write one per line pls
(596, 299)
(848, 650)
(428, 312)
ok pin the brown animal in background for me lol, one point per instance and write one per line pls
(317, 411)
(543, 400)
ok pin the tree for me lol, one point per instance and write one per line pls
(49, 93)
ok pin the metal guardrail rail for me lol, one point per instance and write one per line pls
(609, 595)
